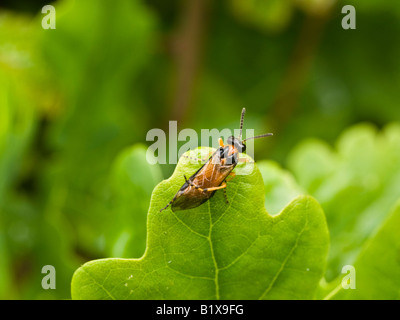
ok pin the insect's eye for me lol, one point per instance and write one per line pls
(240, 146)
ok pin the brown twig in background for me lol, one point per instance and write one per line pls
(286, 100)
(187, 47)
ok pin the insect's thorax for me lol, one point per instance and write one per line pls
(217, 169)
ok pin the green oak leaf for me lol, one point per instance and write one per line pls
(357, 183)
(377, 268)
(217, 250)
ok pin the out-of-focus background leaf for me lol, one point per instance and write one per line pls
(357, 184)
(133, 181)
(280, 186)
(375, 272)
(378, 272)
(76, 104)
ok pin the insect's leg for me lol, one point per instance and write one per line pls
(222, 186)
(186, 179)
(169, 203)
(192, 184)
(226, 197)
(231, 176)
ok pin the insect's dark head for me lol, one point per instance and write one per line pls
(237, 143)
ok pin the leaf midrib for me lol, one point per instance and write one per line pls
(99, 284)
(278, 273)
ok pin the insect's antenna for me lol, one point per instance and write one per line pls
(260, 136)
(241, 123)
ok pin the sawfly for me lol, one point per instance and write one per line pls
(213, 175)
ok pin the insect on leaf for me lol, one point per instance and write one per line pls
(217, 250)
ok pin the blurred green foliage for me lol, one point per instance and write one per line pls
(76, 104)
(377, 266)
(357, 185)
